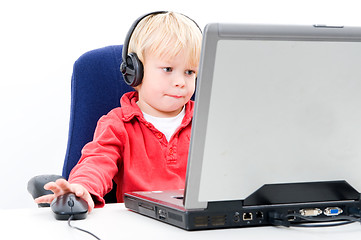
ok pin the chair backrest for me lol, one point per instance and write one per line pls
(96, 88)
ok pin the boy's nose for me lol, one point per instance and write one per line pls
(180, 81)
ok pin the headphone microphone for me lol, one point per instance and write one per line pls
(131, 67)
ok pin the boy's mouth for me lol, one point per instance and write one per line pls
(174, 96)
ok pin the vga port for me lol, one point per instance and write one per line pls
(332, 211)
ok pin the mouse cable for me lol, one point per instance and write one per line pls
(71, 218)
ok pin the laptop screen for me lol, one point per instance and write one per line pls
(274, 104)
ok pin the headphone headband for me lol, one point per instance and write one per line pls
(131, 30)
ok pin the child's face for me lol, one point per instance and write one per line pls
(167, 85)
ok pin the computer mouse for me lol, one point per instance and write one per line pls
(68, 205)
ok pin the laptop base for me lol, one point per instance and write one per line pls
(229, 214)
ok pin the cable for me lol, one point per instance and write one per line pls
(321, 225)
(71, 218)
(283, 220)
(323, 219)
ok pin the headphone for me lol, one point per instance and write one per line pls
(131, 67)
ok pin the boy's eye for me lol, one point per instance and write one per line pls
(167, 69)
(190, 72)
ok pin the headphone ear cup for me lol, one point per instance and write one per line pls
(132, 70)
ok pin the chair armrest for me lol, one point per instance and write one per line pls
(36, 186)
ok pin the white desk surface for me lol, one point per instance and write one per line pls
(114, 221)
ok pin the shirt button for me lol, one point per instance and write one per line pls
(159, 135)
(171, 151)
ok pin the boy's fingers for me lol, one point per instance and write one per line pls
(77, 190)
(80, 192)
(49, 185)
(64, 185)
(45, 199)
(90, 202)
(54, 187)
(60, 187)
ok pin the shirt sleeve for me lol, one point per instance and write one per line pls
(100, 159)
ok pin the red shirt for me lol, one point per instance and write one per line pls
(134, 153)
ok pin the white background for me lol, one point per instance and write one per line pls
(40, 40)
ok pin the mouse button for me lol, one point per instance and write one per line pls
(57, 202)
(80, 206)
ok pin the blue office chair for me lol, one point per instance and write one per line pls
(96, 88)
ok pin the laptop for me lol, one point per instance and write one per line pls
(276, 134)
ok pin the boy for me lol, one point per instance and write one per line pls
(143, 145)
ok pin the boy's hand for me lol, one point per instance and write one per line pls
(60, 187)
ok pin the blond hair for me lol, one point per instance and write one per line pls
(165, 35)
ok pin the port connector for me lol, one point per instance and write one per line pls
(236, 217)
(259, 215)
(332, 211)
(291, 218)
(247, 216)
(310, 212)
(162, 214)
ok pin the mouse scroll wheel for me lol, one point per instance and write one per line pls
(71, 203)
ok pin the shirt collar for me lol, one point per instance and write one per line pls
(131, 109)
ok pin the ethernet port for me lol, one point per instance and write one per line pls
(247, 216)
(259, 215)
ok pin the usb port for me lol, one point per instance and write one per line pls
(162, 214)
(291, 218)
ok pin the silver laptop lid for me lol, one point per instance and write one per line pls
(274, 104)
